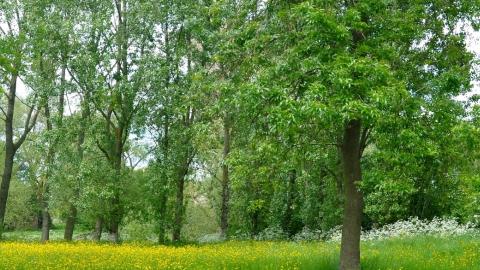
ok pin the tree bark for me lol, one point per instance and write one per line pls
(287, 221)
(225, 179)
(353, 205)
(50, 159)
(45, 222)
(70, 223)
(179, 207)
(11, 146)
(162, 217)
(97, 234)
(72, 214)
(7, 176)
(44, 184)
(9, 151)
(117, 212)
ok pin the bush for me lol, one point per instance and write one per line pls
(442, 227)
(308, 235)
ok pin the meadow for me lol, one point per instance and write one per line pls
(428, 252)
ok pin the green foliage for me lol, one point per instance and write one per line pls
(152, 86)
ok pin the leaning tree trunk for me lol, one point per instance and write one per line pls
(225, 179)
(350, 246)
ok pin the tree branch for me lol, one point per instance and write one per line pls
(29, 124)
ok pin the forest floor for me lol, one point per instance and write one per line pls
(437, 253)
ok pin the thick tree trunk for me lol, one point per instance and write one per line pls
(225, 179)
(350, 246)
(97, 234)
(70, 223)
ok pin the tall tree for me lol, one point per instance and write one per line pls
(12, 65)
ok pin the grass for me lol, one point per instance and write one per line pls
(410, 253)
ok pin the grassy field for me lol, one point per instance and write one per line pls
(414, 253)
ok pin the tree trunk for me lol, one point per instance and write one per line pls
(162, 217)
(116, 218)
(350, 246)
(70, 223)
(225, 179)
(72, 215)
(163, 196)
(287, 221)
(117, 213)
(178, 219)
(45, 222)
(7, 176)
(9, 151)
(97, 234)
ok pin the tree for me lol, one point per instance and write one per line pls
(12, 66)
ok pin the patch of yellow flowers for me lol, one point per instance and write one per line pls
(230, 255)
(426, 253)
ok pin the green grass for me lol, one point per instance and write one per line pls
(462, 252)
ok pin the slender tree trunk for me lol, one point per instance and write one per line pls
(117, 212)
(182, 174)
(287, 221)
(179, 207)
(7, 176)
(72, 215)
(255, 223)
(51, 156)
(225, 178)
(9, 151)
(116, 217)
(163, 196)
(44, 185)
(350, 246)
(97, 234)
(162, 217)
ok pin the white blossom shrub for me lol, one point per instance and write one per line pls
(442, 227)
(308, 235)
(210, 238)
(271, 233)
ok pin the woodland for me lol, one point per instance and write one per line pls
(179, 121)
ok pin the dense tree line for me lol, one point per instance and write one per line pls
(263, 114)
